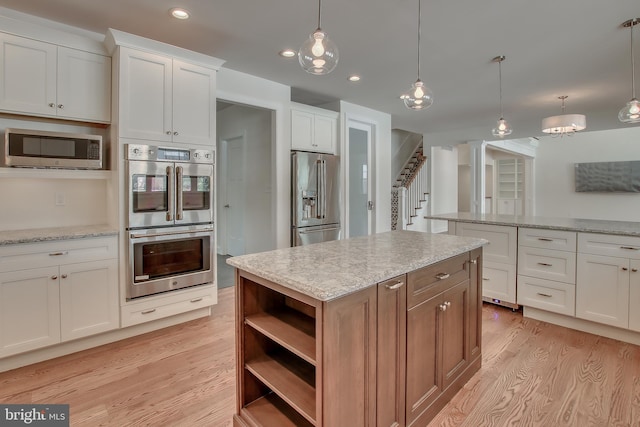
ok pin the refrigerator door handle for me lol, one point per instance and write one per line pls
(319, 189)
(324, 189)
(319, 230)
(179, 195)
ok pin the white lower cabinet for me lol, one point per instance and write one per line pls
(602, 294)
(29, 310)
(47, 298)
(498, 282)
(547, 295)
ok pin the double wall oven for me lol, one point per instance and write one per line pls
(170, 206)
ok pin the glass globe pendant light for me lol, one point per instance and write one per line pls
(419, 96)
(318, 55)
(502, 128)
(630, 113)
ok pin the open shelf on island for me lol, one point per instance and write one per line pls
(272, 411)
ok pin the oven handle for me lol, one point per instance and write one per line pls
(170, 233)
(171, 190)
(179, 197)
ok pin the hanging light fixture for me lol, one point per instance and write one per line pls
(502, 128)
(564, 124)
(318, 55)
(419, 96)
(630, 113)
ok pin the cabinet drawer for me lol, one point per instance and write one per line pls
(547, 295)
(429, 281)
(59, 252)
(502, 245)
(547, 239)
(547, 264)
(499, 282)
(609, 245)
(153, 309)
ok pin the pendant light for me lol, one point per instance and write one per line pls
(318, 55)
(630, 113)
(502, 128)
(564, 124)
(419, 96)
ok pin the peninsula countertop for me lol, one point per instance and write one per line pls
(623, 228)
(330, 270)
(33, 235)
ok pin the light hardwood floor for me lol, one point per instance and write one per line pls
(533, 374)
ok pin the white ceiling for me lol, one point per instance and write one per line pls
(552, 47)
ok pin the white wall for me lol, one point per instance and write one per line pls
(255, 125)
(382, 147)
(444, 187)
(254, 91)
(554, 170)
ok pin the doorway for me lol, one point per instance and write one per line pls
(359, 189)
(244, 205)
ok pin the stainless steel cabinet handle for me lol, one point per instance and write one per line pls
(473, 261)
(64, 276)
(624, 269)
(485, 278)
(58, 253)
(544, 239)
(544, 295)
(175, 133)
(545, 264)
(630, 248)
(196, 300)
(394, 286)
(442, 307)
(226, 206)
(149, 311)
(52, 105)
(442, 276)
(168, 132)
(54, 277)
(635, 270)
(447, 303)
(60, 106)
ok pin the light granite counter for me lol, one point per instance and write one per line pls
(34, 235)
(623, 228)
(329, 270)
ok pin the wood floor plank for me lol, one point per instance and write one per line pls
(533, 374)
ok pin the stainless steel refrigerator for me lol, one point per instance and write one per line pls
(315, 198)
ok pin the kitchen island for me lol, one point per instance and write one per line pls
(376, 330)
(578, 273)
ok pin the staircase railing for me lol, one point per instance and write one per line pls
(410, 192)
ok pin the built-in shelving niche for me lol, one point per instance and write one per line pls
(280, 358)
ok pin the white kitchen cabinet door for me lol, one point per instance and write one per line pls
(503, 241)
(84, 85)
(325, 133)
(145, 96)
(28, 76)
(88, 298)
(302, 134)
(194, 104)
(602, 289)
(499, 282)
(634, 295)
(29, 310)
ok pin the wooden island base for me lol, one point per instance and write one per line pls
(391, 354)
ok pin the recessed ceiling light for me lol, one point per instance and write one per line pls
(354, 78)
(179, 13)
(288, 53)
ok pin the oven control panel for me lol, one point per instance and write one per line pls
(168, 154)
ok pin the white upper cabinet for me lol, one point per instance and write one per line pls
(314, 129)
(166, 100)
(43, 79)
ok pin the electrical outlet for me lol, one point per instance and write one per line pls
(61, 200)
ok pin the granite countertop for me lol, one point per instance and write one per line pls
(329, 270)
(625, 228)
(33, 235)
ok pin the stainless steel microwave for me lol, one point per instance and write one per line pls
(60, 150)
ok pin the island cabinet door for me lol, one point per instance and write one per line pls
(475, 303)
(349, 360)
(392, 350)
(455, 344)
(424, 383)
